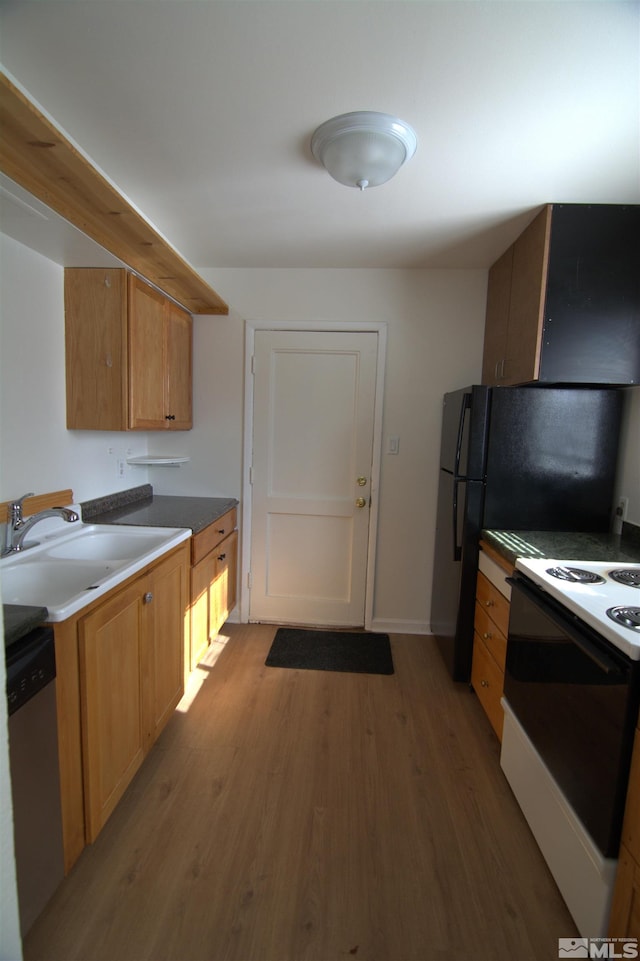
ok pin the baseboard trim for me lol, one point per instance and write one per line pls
(387, 626)
(378, 625)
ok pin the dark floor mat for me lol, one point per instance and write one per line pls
(359, 653)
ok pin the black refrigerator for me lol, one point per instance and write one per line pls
(515, 458)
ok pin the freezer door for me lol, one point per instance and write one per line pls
(464, 432)
(552, 458)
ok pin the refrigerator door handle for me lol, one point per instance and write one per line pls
(457, 477)
(457, 548)
(466, 406)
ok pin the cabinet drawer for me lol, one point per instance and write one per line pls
(487, 680)
(205, 541)
(491, 634)
(495, 603)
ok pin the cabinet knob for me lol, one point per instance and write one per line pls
(148, 597)
(484, 683)
(169, 416)
(221, 530)
(221, 557)
(487, 635)
(490, 603)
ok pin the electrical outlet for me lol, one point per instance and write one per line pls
(620, 514)
(121, 466)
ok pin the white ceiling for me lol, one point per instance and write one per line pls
(201, 111)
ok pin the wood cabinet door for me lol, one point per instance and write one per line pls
(528, 287)
(203, 577)
(179, 352)
(497, 320)
(487, 681)
(147, 368)
(166, 610)
(631, 824)
(110, 644)
(225, 583)
(624, 921)
(95, 310)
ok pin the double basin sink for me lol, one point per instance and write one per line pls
(76, 563)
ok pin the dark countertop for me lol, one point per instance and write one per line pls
(141, 507)
(566, 546)
(19, 620)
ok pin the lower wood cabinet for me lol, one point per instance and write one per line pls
(624, 921)
(111, 664)
(120, 676)
(214, 556)
(491, 626)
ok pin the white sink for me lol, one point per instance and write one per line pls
(50, 584)
(76, 563)
(108, 543)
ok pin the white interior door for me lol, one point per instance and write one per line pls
(313, 422)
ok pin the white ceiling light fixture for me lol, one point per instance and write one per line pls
(364, 148)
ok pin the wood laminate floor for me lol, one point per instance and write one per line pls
(312, 816)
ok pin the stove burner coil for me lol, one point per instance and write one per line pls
(576, 575)
(630, 578)
(626, 616)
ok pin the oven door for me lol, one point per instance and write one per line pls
(576, 697)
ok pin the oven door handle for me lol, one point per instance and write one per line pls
(601, 658)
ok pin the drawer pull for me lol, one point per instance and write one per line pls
(221, 530)
(487, 635)
(221, 557)
(484, 683)
(490, 603)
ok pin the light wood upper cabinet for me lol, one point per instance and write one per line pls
(496, 329)
(563, 302)
(128, 354)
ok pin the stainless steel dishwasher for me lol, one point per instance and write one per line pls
(35, 779)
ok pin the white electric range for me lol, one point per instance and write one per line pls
(571, 699)
(603, 594)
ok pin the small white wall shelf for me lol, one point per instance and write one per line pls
(153, 460)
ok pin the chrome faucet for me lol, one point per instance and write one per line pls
(17, 528)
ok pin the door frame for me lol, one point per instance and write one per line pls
(251, 326)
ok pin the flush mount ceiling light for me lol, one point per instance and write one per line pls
(364, 148)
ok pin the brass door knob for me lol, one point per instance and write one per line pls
(362, 482)
(361, 502)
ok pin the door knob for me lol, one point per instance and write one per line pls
(362, 482)
(361, 502)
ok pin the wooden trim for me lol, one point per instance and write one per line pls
(40, 502)
(36, 155)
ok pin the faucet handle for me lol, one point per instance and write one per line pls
(14, 510)
(23, 498)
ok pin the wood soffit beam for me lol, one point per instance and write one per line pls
(35, 154)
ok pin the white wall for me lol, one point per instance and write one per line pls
(435, 330)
